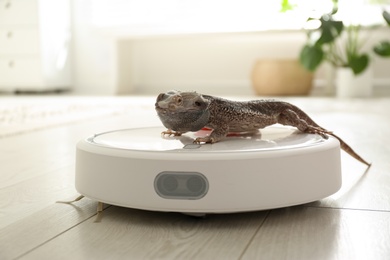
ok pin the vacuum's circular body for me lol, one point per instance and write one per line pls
(273, 168)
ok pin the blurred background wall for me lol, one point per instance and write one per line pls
(111, 57)
(109, 47)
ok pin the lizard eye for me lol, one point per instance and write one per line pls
(197, 103)
(179, 100)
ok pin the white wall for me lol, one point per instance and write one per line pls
(215, 63)
(212, 63)
(107, 62)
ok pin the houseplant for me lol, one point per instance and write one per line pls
(341, 46)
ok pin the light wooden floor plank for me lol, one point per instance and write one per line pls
(364, 189)
(134, 234)
(30, 196)
(30, 155)
(36, 229)
(52, 148)
(317, 233)
(40, 170)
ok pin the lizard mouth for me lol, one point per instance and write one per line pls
(174, 110)
(161, 109)
(157, 106)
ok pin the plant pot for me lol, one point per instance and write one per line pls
(281, 77)
(349, 85)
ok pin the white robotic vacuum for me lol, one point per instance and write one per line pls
(276, 167)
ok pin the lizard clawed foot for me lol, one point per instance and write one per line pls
(322, 134)
(316, 130)
(169, 133)
(206, 139)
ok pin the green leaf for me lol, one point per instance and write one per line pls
(382, 49)
(338, 26)
(286, 6)
(358, 63)
(311, 57)
(330, 29)
(386, 15)
(335, 8)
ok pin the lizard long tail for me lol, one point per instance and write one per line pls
(349, 150)
(320, 130)
(343, 145)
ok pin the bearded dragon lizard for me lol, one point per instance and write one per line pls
(181, 112)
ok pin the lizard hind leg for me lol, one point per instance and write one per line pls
(289, 117)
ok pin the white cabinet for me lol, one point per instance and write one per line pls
(34, 45)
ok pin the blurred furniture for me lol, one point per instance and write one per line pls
(34, 45)
(281, 77)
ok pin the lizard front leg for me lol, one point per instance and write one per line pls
(170, 132)
(216, 135)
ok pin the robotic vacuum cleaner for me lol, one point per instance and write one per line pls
(275, 167)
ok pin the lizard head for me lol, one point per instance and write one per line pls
(182, 111)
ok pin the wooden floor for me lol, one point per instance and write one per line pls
(37, 169)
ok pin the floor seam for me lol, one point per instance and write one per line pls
(254, 235)
(355, 209)
(59, 234)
